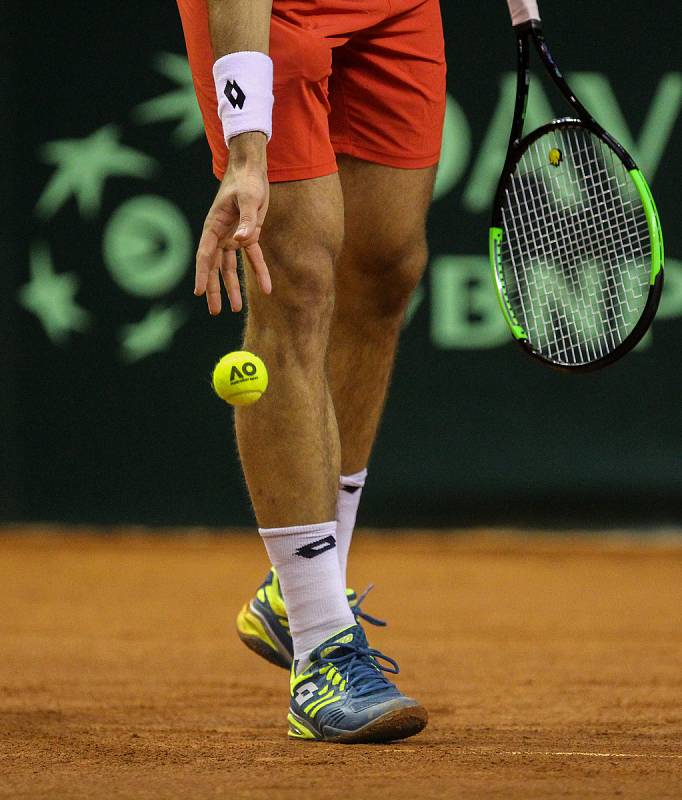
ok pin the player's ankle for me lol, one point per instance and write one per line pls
(307, 567)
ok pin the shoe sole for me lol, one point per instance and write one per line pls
(391, 727)
(254, 632)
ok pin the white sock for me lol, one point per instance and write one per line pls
(314, 594)
(347, 502)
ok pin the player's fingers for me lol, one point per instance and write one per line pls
(228, 270)
(246, 232)
(260, 268)
(204, 259)
(213, 299)
(262, 211)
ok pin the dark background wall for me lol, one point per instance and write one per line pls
(107, 412)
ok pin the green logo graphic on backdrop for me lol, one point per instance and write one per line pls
(52, 297)
(82, 167)
(147, 246)
(146, 242)
(153, 334)
(179, 105)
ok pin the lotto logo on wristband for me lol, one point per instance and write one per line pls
(235, 95)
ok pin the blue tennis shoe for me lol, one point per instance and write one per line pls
(341, 694)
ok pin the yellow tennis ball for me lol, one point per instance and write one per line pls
(240, 378)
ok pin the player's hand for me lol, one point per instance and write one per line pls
(233, 222)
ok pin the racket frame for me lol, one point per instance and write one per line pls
(518, 144)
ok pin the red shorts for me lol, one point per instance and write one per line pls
(362, 77)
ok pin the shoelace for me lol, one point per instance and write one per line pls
(360, 614)
(361, 666)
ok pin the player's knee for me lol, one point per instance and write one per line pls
(301, 242)
(392, 278)
(307, 293)
(408, 271)
(298, 313)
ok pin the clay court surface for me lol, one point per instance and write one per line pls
(551, 667)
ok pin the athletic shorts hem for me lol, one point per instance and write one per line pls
(384, 159)
(283, 174)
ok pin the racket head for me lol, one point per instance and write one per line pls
(576, 247)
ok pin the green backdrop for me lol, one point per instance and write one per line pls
(107, 412)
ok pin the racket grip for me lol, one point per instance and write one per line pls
(523, 10)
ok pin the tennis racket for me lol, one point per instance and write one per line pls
(575, 243)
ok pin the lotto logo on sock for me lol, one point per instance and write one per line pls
(317, 548)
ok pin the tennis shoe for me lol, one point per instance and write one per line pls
(341, 694)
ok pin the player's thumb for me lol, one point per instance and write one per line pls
(248, 214)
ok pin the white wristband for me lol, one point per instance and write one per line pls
(243, 84)
(523, 10)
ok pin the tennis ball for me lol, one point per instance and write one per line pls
(240, 378)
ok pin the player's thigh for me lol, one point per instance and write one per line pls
(385, 207)
(385, 228)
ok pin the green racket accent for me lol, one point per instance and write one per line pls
(495, 239)
(654, 222)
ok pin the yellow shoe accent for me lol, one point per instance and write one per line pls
(297, 730)
(250, 626)
(324, 703)
(273, 593)
(252, 631)
(321, 696)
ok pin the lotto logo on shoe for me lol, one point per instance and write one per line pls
(305, 692)
(234, 93)
(317, 548)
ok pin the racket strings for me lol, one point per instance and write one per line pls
(576, 252)
(574, 226)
